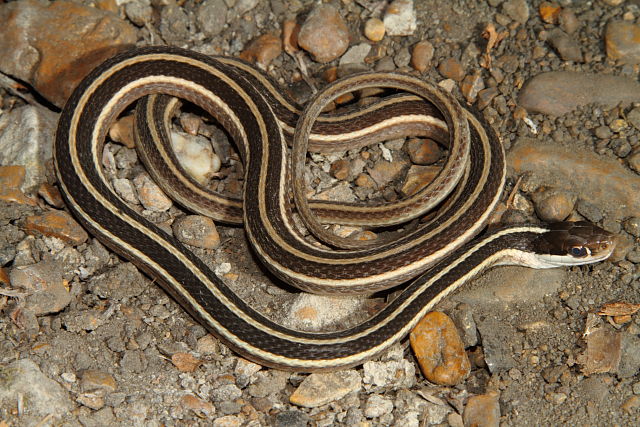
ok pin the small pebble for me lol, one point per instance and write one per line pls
(485, 96)
(199, 406)
(122, 131)
(421, 55)
(185, 362)
(553, 205)
(620, 39)
(150, 195)
(320, 389)
(634, 161)
(197, 230)
(549, 12)
(92, 380)
(518, 10)
(51, 195)
(603, 132)
(566, 46)
(633, 117)
(324, 34)
(451, 68)
(340, 169)
(57, 224)
(374, 29)
(384, 172)
(423, 151)
(568, 21)
(195, 155)
(471, 85)
(11, 180)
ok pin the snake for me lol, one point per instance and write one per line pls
(237, 103)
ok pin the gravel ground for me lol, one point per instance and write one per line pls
(122, 352)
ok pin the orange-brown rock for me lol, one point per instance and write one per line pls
(53, 45)
(482, 410)
(56, 224)
(11, 179)
(439, 350)
(262, 50)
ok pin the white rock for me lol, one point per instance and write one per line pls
(195, 155)
(400, 18)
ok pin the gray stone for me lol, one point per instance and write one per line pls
(26, 138)
(41, 395)
(558, 92)
(518, 10)
(291, 419)
(211, 17)
(497, 338)
(355, 54)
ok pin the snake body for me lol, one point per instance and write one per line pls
(236, 102)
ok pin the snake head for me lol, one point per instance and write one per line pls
(573, 243)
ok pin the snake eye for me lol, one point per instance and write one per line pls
(578, 251)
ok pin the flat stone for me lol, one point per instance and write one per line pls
(600, 181)
(11, 181)
(355, 54)
(510, 284)
(496, 339)
(41, 395)
(26, 138)
(602, 353)
(44, 285)
(93, 379)
(320, 389)
(559, 92)
(57, 224)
